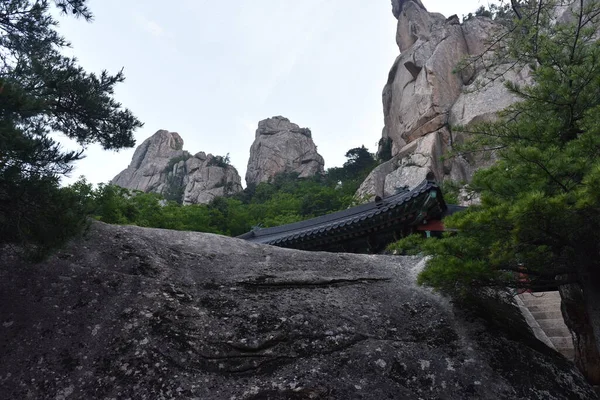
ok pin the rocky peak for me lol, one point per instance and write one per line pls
(149, 162)
(282, 146)
(424, 97)
(397, 6)
(163, 144)
(167, 140)
(275, 125)
(160, 165)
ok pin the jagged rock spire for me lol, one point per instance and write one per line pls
(282, 146)
(398, 4)
(160, 165)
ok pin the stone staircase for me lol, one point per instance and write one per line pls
(542, 312)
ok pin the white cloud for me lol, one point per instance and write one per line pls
(150, 26)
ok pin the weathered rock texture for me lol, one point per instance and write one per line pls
(129, 312)
(161, 165)
(424, 97)
(282, 146)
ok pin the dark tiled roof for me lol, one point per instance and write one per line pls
(342, 221)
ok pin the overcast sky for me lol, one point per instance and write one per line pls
(210, 70)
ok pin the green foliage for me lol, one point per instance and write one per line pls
(39, 215)
(175, 189)
(42, 91)
(451, 191)
(385, 149)
(409, 245)
(291, 199)
(176, 160)
(354, 171)
(540, 201)
(360, 163)
(501, 12)
(219, 161)
(285, 199)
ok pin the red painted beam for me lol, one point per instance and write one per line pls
(433, 226)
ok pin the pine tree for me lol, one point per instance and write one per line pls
(43, 92)
(540, 211)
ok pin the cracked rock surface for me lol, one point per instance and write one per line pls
(160, 165)
(136, 313)
(426, 96)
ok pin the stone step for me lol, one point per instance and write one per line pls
(542, 299)
(568, 352)
(537, 294)
(555, 304)
(552, 323)
(537, 298)
(561, 342)
(556, 331)
(544, 308)
(538, 315)
(542, 302)
(553, 293)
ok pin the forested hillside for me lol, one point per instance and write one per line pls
(285, 199)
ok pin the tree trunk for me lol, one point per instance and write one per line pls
(581, 311)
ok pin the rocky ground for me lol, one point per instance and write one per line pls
(136, 313)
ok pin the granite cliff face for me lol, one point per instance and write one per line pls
(161, 165)
(130, 312)
(282, 146)
(146, 172)
(423, 97)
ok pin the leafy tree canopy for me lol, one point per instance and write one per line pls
(285, 199)
(41, 92)
(540, 209)
(501, 12)
(358, 165)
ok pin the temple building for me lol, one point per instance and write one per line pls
(367, 228)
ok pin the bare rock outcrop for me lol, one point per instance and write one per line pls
(425, 96)
(282, 146)
(160, 165)
(130, 312)
(146, 172)
(418, 160)
(205, 177)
